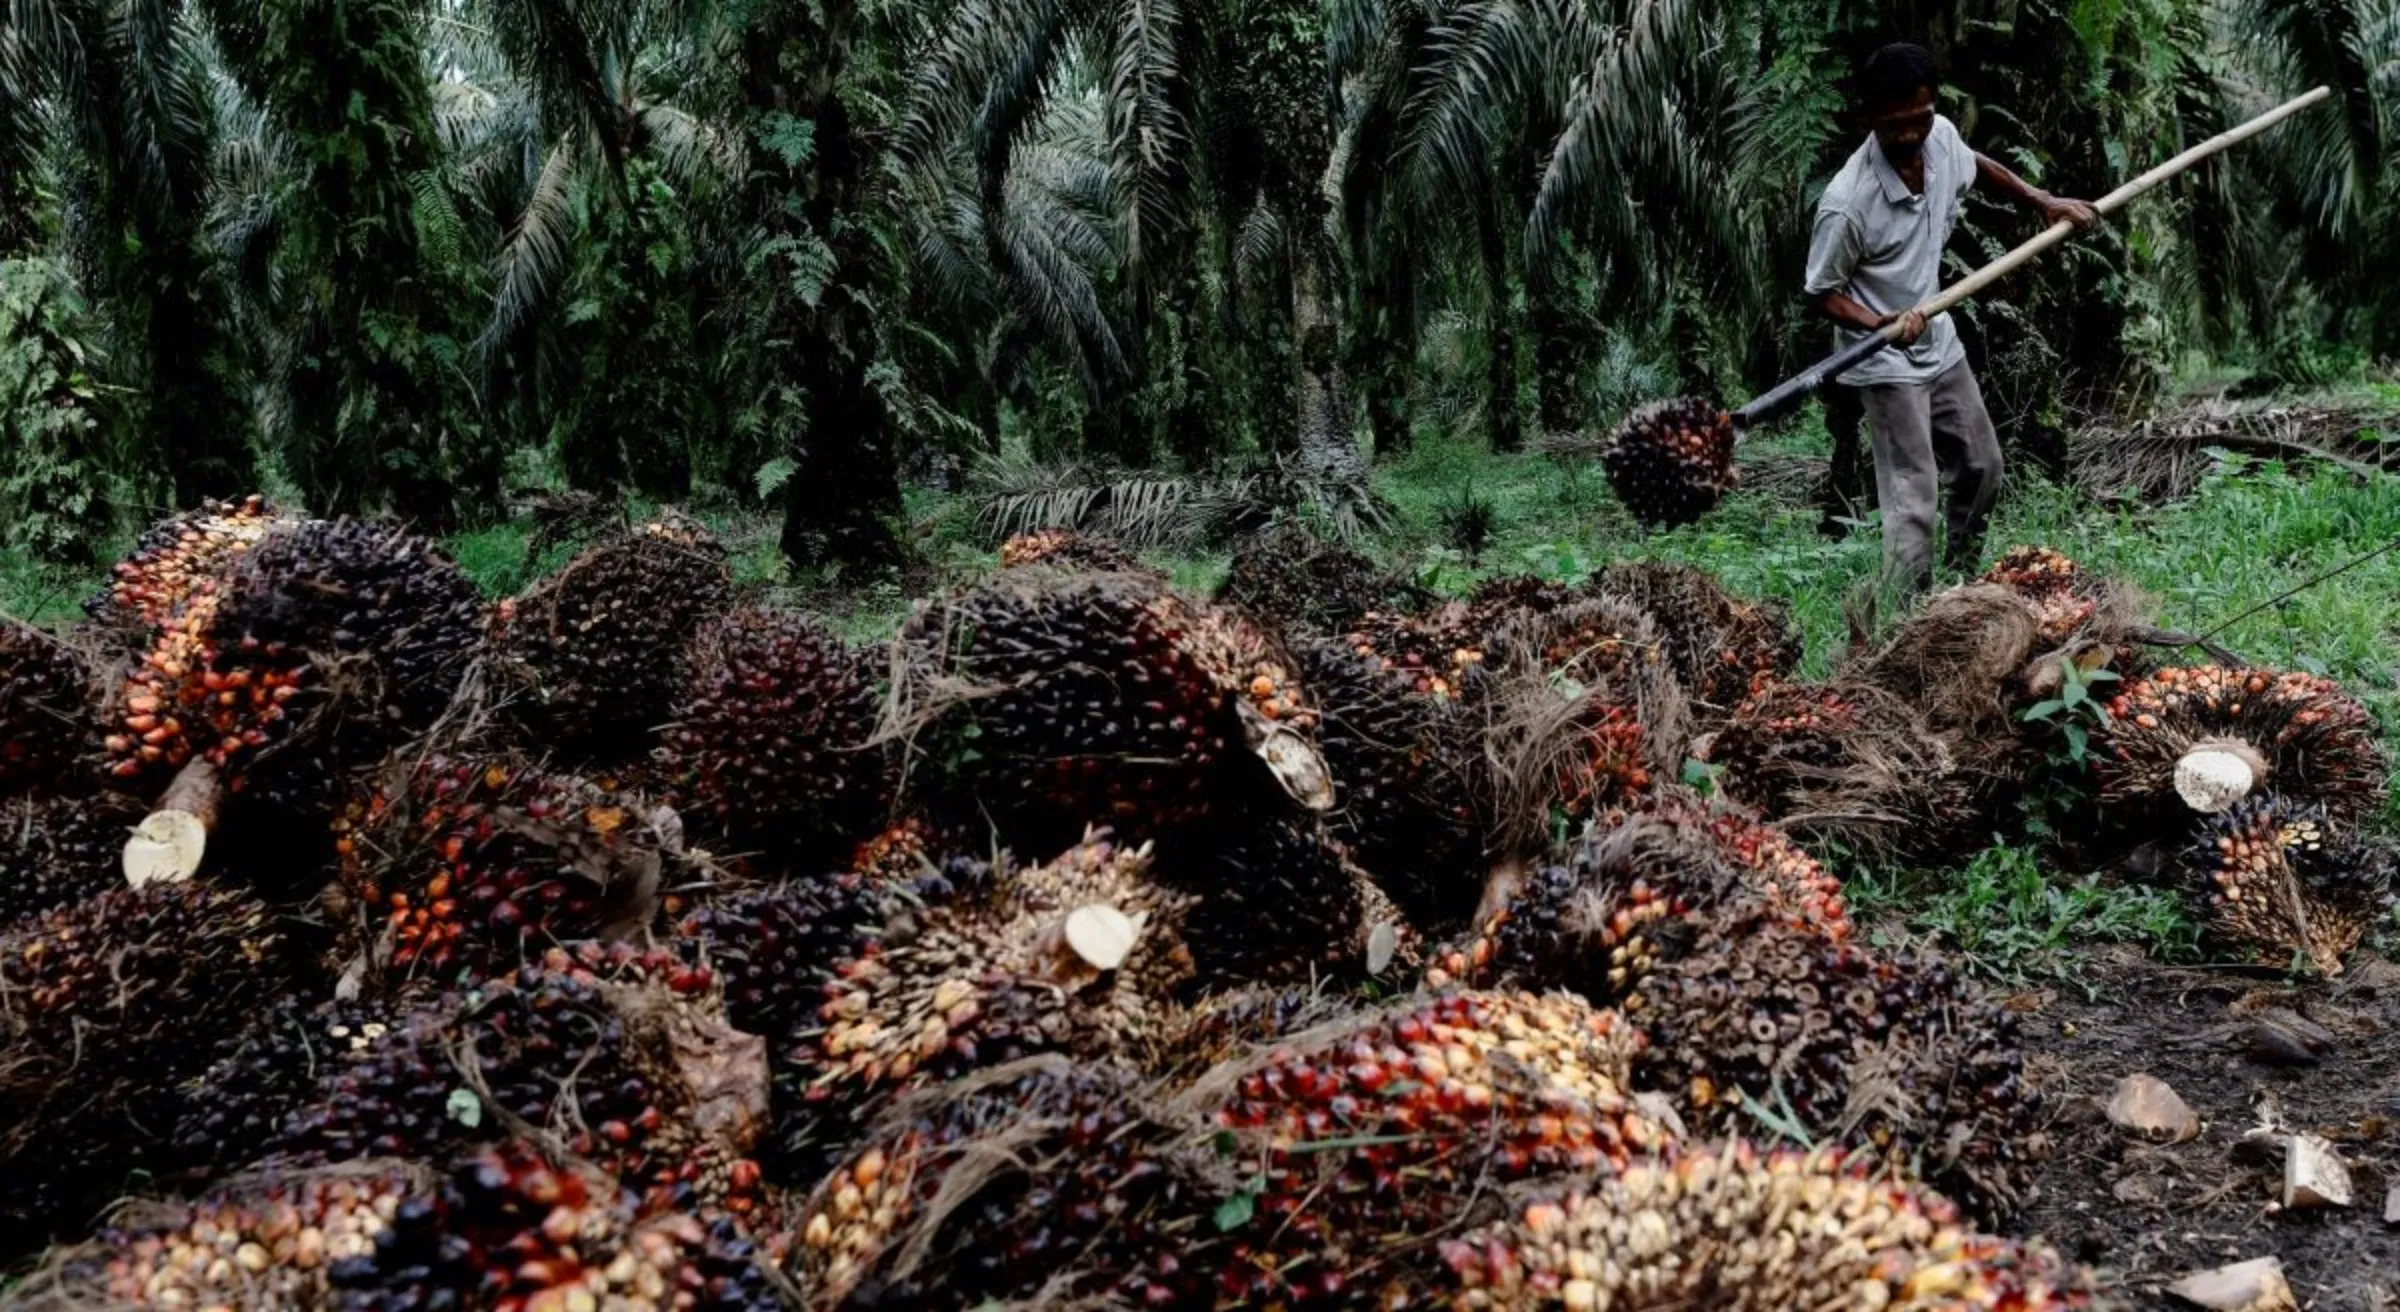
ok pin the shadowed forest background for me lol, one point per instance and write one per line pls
(1153, 266)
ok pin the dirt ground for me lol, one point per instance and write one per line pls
(2322, 1058)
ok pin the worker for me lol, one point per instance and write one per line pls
(1876, 251)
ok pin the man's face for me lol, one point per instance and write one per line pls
(1901, 128)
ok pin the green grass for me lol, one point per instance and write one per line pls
(2007, 917)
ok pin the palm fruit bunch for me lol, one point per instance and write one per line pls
(2062, 595)
(2284, 883)
(1068, 549)
(769, 739)
(594, 649)
(323, 645)
(1364, 1137)
(278, 1065)
(1043, 1181)
(1728, 1226)
(57, 851)
(1672, 461)
(1274, 900)
(1893, 1056)
(1437, 652)
(111, 1003)
(1405, 788)
(178, 557)
(1288, 577)
(46, 710)
(1592, 717)
(2203, 737)
(621, 1053)
(465, 861)
(1051, 701)
(1721, 646)
(1790, 881)
(774, 947)
(1842, 761)
(1505, 597)
(1640, 887)
(502, 1229)
(1082, 954)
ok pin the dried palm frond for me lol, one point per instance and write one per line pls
(1956, 659)
(1147, 510)
(2165, 457)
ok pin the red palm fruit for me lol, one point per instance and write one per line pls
(769, 740)
(317, 649)
(1068, 549)
(2284, 884)
(1361, 1137)
(178, 557)
(47, 711)
(471, 861)
(1729, 1226)
(1584, 713)
(2062, 595)
(1050, 701)
(1434, 652)
(112, 1003)
(776, 948)
(2200, 739)
(1081, 955)
(1722, 647)
(594, 649)
(501, 1229)
(1671, 462)
(1894, 1056)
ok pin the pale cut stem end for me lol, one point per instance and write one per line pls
(169, 844)
(1101, 935)
(2211, 778)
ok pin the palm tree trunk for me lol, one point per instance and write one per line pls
(842, 503)
(1327, 449)
(1384, 342)
(1500, 385)
(1558, 349)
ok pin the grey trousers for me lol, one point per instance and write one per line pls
(1927, 434)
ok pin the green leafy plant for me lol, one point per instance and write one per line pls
(56, 487)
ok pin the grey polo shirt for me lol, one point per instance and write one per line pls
(1881, 245)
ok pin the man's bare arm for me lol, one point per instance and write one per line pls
(1850, 314)
(1996, 176)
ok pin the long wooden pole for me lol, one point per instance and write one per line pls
(2112, 202)
(1817, 375)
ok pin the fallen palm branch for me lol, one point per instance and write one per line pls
(2165, 457)
(1147, 509)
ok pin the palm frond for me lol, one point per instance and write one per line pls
(1260, 243)
(1146, 134)
(1619, 110)
(566, 49)
(689, 148)
(533, 256)
(1491, 54)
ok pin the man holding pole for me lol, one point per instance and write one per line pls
(1875, 253)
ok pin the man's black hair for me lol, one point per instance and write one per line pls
(1894, 73)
